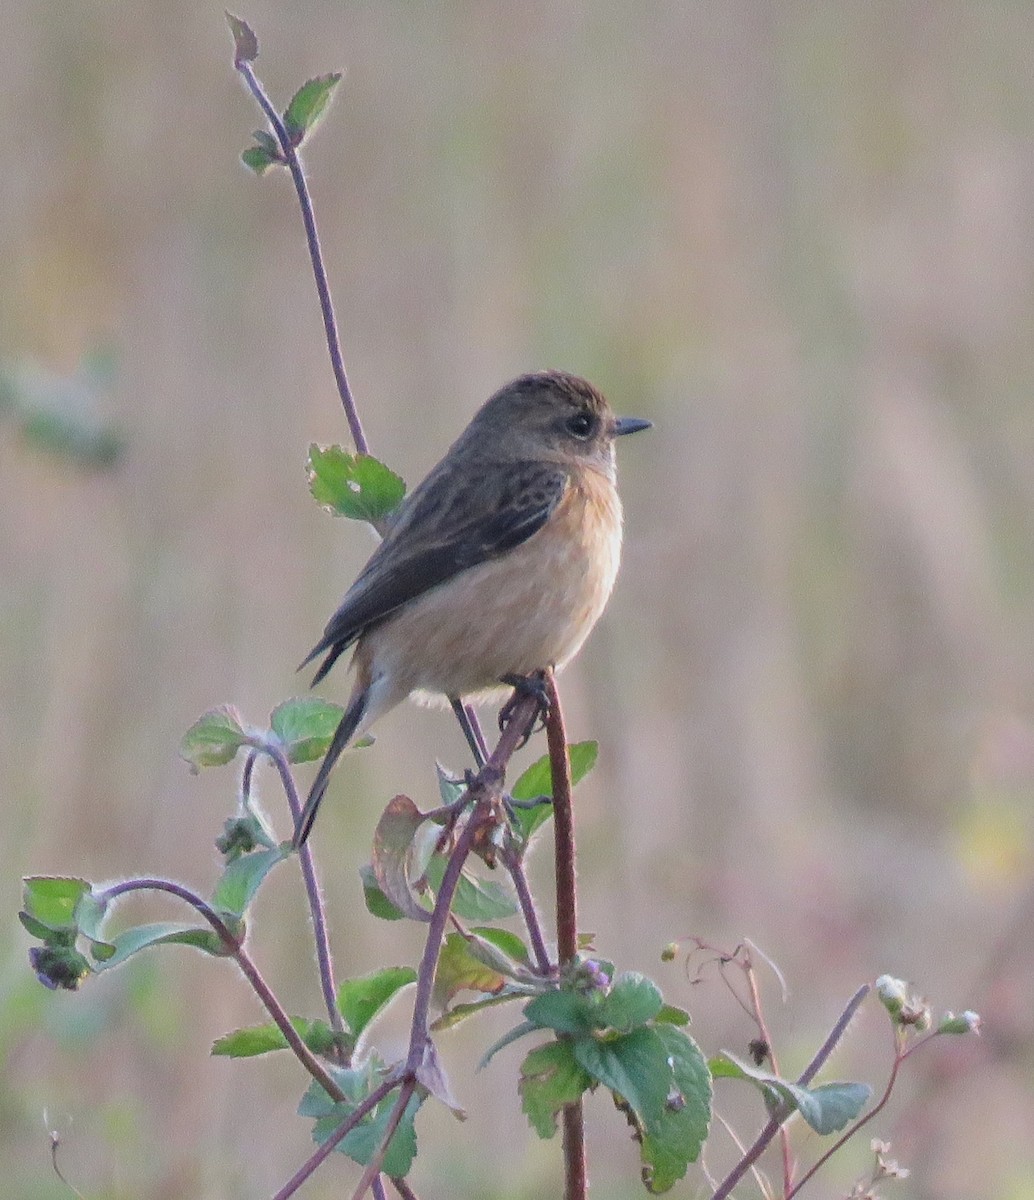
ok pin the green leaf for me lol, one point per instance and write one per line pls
(827, 1108)
(245, 43)
(550, 1079)
(242, 835)
(360, 1000)
(392, 840)
(377, 904)
(670, 1015)
(518, 1031)
(674, 1138)
(54, 937)
(450, 787)
(362, 1142)
(353, 485)
(262, 1039)
(459, 970)
(632, 1001)
(305, 727)
(90, 915)
(563, 1011)
(259, 159)
(460, 1012)
(537, 780)
(52, 899)
(475, 899)
(529, 821)
(141, 937)
(308, 105)
(831, 1106)
(214, 739)
(356, 1082)
(241, 878)
(634, 1065)
(266, 140)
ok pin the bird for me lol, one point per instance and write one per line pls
(496, 567)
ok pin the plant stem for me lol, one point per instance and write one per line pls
(248, 969)
(576, 1183)
(324, 961)
(515, 866)
(293, 163)
(342, 1131)
(373, 1167)
(770, 1130)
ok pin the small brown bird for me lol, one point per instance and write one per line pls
(497, 566)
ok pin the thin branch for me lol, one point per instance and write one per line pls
(294, 165)
(324, 961)
(342, 1131)
(563, 822)
(373, 1167)
(248, 969)
(576, 1182)
(515, 866)
(770, 1130)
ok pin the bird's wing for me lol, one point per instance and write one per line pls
(450, 523)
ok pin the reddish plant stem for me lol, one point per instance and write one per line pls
(576, 1183)
(759, 1017)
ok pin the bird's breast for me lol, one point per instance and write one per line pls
(528, 609)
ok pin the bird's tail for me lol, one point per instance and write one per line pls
(343, 735)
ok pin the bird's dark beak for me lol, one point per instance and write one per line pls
(625, 425)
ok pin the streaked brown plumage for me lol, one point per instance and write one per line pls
(498, 564)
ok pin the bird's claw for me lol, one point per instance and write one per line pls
(524, 686)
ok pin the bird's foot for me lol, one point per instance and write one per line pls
(524, 686)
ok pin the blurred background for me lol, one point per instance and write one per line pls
(800, 238)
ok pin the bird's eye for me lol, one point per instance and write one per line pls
(582, 424)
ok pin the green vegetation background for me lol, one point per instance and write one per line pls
(800, 238)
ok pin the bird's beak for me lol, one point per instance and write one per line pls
(625, 425)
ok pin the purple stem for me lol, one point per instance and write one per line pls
(293, 163)
(244, 962)
(312, 890)
(807, 1075)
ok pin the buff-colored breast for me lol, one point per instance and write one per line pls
(531, 608)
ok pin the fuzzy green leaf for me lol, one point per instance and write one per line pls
(305, 726)
(537, 780)
(377, 904)
(674, 1138)
(141, 937)
(262, 1039)
(308, 105)
(214, 739)
(241, 879)
(52, 899)
(475, 899)
(360, 1000)
(259, 159)
(354, 485)
(563, 1011)
(550, 1079)
(633, 1065)
(632, 1001)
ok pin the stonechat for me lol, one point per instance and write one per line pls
(497, 566)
